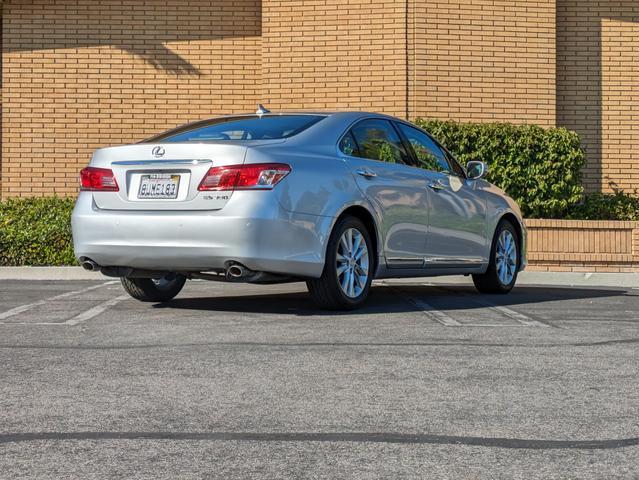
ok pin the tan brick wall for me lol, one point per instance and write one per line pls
(334, 55)
(81, 74)
(597, 76)
(483, 60)
(470, 60)
(580, 245)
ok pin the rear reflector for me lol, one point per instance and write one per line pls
(253, 176)
(98, 180)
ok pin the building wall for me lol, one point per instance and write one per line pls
(485, 60)
(81, 74)
(597, 87)
(335, 55)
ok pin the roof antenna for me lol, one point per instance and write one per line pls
(261, 110)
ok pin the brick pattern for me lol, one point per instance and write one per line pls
(484, 60)
(326, 55)
(597, 70)
(580, 245)
(80, 74)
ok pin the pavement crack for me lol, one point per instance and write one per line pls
(353, 437)
(323, 344)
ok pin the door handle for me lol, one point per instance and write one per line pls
(365, 172)
(436, 186)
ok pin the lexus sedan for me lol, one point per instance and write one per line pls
(332, 199)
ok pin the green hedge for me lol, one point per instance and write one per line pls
(601, 206)
(537, 167)
(36, 231)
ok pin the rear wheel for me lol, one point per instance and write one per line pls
(348, 270)
(504, 262)
(152, 289)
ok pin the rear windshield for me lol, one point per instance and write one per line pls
(240, 128)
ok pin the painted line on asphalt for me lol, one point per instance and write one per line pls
(517, 316)
(429, 310)
(23, 308)
(448, 321)
(520, 318)
(95, 311)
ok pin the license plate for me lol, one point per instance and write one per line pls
(159, 185)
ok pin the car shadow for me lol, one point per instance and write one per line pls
(388, 299)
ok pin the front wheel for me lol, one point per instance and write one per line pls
(152, 289)
(348, 270)
(504, 262)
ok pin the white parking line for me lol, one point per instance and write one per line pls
(519, 317)
(95, 311)
(430, 311)
(23, 308)
(446, 320)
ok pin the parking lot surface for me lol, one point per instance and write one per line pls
(241, 381)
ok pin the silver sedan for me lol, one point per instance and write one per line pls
(333, 199)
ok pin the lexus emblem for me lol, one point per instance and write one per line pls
(158, 152)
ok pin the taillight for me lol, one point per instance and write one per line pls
(255, 176)
(98, 180)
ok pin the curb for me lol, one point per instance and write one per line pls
(624, 280)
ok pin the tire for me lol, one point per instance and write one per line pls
(492, 281)
(328, 291)
(154, 290)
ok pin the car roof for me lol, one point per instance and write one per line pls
(347, 113)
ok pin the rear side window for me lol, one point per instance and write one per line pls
(377, 140)
(266, 127)
(349, 146)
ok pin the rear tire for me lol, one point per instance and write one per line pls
(501, 275)
(349, 250)
(154, 290)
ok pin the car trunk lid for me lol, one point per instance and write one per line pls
(166, 176)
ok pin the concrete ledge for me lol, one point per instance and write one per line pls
(627, 280)
(48, 273)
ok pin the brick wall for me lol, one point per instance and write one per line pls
(483, 60)
(470, 60)
(583, 246)
(597, 76)
(334, 55)
(80, 74)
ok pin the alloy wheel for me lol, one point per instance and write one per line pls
(352, 263)
(506, 257)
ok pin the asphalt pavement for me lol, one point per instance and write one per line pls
(239, 381)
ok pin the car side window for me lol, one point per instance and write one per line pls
(377, 139)
(429, 155)
(349, 146)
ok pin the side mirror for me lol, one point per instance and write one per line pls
(476, 170)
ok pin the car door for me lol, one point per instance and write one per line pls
(457, 211)
(378, 160)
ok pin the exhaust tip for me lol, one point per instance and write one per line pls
(90, 265)
(235, 271)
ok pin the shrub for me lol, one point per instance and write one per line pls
(607, 206)
(36, 231)
(539, 168)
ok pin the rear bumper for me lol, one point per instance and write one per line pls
(252, 229)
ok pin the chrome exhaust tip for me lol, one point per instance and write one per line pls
(90, 265)
(236, 271)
